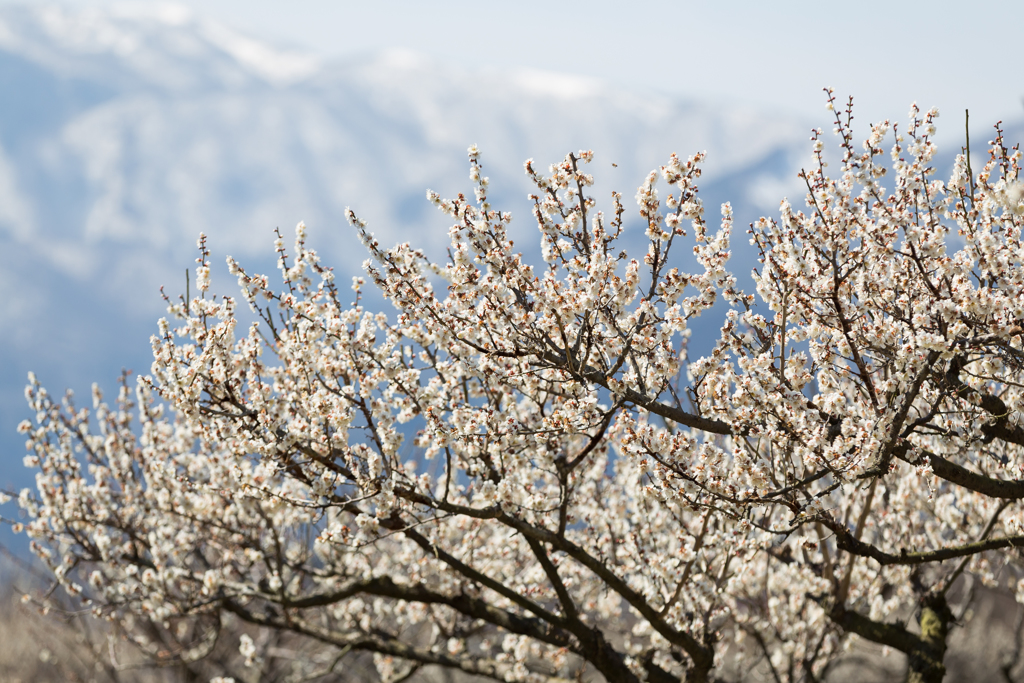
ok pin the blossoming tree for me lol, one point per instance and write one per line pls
(521, 475)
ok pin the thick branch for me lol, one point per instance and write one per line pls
(384, 586)
(961, 476)
(893, 635)
(568, 605)
(373, 643)
(677, 415)
(479, 577)
(701, 655)
(691, 645)
(1000, 427)
(851, 544)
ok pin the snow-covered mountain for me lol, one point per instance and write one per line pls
(123, 135)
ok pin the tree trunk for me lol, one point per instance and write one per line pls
(924, 663)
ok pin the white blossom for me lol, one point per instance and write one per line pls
(518, 464)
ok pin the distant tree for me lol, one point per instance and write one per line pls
(520, 474)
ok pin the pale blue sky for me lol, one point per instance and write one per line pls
(776, 54)
(779, 54)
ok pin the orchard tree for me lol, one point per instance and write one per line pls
(520, 473)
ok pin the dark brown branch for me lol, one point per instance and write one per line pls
(649, 404)
(924, 652)
(480, 578)
(568, 605)
(372, 643)
(384, 586)
(961, 476)
(1000, 427)
(848, 542)
(893, 635)
(702, 656)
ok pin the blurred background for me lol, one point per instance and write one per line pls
(126, 129)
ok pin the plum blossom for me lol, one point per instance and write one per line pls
(518, 471)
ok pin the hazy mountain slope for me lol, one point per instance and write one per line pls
(122, 136)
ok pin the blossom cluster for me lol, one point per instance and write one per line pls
(522, 473)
